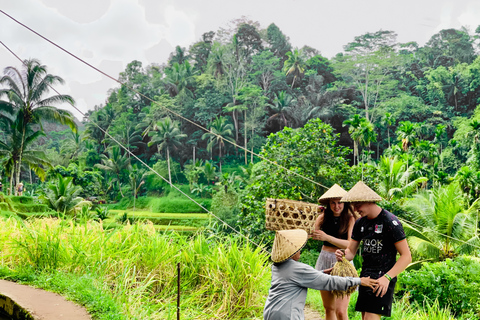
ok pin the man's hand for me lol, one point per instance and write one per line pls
(327, 271)
(382, 287)
(367, 282)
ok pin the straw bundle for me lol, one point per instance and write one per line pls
(344, 268)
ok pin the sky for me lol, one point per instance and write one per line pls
(109, 34)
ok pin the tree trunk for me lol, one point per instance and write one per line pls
(251, 159)
(168, 164)
(19, 163)
(245, 138)
(220, 155)
(12, 177)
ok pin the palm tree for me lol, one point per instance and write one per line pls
(466, 178)
(73, 145)
(393, 182)
(295, 64)
(25, 92)
(127, 134)
(115, 164)
(280, 107)
(62, 196)
(219, 130)
(442, 226)
(178, 79)
(18, 136)
(209, 171)
(137, 180)
(167, 136)
(362, 132)
(407, 134)
(388, 120)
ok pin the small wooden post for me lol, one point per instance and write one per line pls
(178, 291)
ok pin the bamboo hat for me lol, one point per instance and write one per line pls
(335, 192)
(287, 243)
(361, 193)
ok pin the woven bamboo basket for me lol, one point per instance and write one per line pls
(285, 214)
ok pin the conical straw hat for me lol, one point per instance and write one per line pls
(361, 193)
(335, 192)
(287, 243)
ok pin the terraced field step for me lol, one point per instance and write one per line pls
(181, 222)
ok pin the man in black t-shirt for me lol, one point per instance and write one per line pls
(383, 237)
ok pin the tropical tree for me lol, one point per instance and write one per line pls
(25, 94)
(295, 64)
(393, 179)
(166, 136)
(442, 225)
(137, 178)
(73, 145)
(353, 127)
(388, 121)
(219, 130)
(467, 180)
(406, 134)
(368, 65)
(18, 137)
(362, 132)
(115, 164)
(280, 107)
(179, 78)
(62, 196)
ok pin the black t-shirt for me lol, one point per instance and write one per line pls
(379, 236)
(331, 226)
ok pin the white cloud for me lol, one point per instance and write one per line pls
(180, 28)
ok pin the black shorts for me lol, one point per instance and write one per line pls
(368, 301)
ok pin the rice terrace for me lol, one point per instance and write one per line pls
(162, 199)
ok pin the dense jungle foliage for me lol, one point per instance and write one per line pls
(241, 116)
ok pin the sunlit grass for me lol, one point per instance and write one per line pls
(137, 266)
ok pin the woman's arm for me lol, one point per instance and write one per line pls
(339, 243)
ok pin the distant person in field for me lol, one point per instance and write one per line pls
(20, 189)
(291, 279)
(383, 237)
(1, 186)
(333, 227)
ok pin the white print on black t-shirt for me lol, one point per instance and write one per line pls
(378, 228)
(372, 245)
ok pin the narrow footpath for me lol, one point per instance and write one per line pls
(311, 314)
(40, 304)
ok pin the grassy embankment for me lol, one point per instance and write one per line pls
(131, 272)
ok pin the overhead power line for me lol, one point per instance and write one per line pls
(183, 118)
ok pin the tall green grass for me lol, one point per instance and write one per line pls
(220, 278)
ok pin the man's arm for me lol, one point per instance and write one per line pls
(349, 252)
(401, 264)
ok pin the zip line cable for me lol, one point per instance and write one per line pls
(186, 119)
(171, 111)
(146, 165)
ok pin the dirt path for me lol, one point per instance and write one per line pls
(42, 305)
(311, 314)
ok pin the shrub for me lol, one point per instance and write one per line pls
(31, 207)
(309, 257)
(454, 283)
(22, 199)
